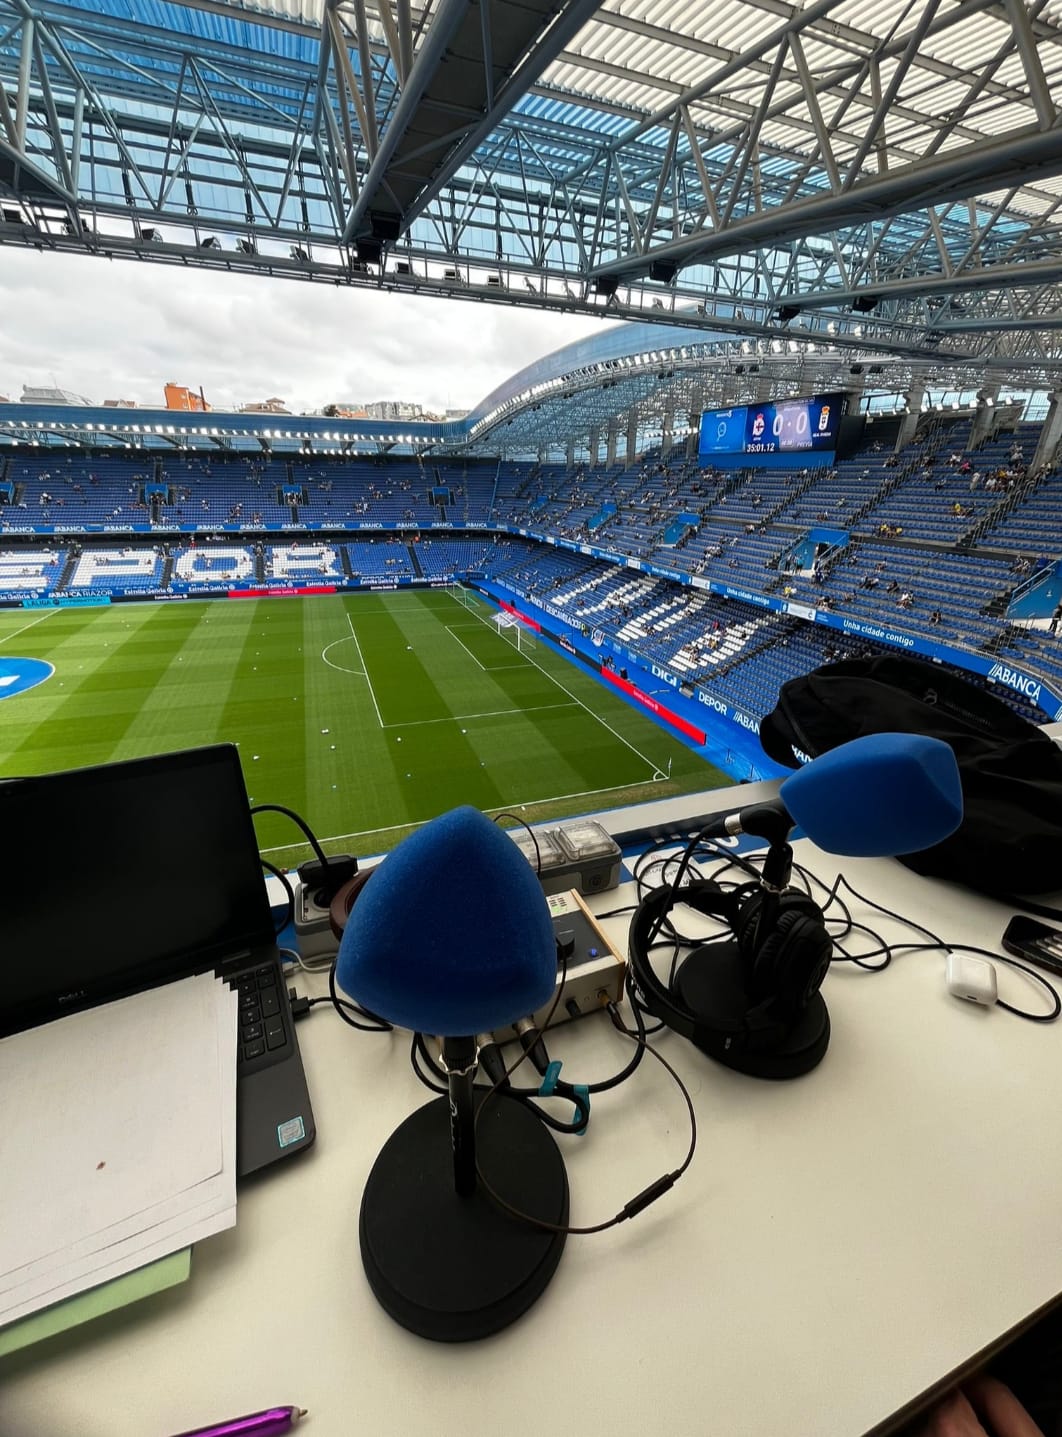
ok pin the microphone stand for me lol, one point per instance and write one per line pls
(460, 1058)
(442, 1258)
(774, 879)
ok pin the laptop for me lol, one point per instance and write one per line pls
(128, 875)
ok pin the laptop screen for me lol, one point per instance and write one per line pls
(120, 876)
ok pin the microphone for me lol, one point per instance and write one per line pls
(873, 797)
(453, 936)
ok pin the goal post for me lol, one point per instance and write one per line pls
(460, 594)
(514, 632)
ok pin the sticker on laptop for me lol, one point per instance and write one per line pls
(293, 1131)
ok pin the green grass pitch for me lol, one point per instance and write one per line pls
(367, 714)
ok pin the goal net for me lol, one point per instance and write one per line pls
(460, 594)
(514, 632)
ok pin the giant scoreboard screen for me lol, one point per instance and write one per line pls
(790, 426)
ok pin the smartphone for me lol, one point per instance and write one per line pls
(1035, 942)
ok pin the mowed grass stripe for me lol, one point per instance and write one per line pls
(601, 708)
(184, 676)
(15, 622)
(83, 712)
(346, 771)
(263, 705)
(395, 647)
(434, 766)
(550, 741)
(252, 672)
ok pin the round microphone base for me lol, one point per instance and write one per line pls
(711, 982)
(450, 1268)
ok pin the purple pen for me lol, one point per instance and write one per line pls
(274, 1422)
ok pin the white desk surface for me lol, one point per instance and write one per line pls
(841, 1243)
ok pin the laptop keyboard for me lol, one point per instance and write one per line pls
(264, 1024)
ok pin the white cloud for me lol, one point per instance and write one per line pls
(121, 329)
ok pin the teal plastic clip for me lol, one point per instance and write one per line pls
(583, 1092)
(548, 1085)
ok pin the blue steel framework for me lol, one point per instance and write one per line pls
(748, 169)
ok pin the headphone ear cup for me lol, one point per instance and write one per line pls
(748, 915)
(791, 962)
(747, 918)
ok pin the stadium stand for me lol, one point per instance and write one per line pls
(934, 539)
(31, 569)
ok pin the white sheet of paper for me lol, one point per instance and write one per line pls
(184, 1237)
(157, 1069)
(213, 1193)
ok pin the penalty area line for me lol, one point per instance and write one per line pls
(491, 713)
(14, 635)
(586, 707)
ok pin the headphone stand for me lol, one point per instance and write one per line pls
(711, 982)
(458, 1268)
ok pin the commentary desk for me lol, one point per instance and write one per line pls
(841, 1245)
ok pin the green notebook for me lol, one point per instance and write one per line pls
(119, 1292)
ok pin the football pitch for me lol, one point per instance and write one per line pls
(368, 714)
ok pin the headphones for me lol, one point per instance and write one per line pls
(752, 1003)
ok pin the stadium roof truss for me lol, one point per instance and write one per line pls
(882, 174)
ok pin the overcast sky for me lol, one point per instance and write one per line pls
(115, 329)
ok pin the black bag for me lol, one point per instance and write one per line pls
(1010, 839)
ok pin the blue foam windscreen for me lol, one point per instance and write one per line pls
(452, 935)
(877, 796)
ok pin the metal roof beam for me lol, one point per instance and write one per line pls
(564, 28)
(1025, 40)
(978, 277)
(1014, 158)
(1047, 319)
(25, 59)
(252, 16)
(448, 18)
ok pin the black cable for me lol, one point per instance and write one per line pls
(417, 1049)
(289, 914)
(605, 1084)
(941, 945)
(435, 1079)
(530, 833)
(375, 1024)
(1056, 1001)
(617, 912)
(889, 913)
(649, 1194)
(861, 960)
(318, 851)
(339, 1003)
